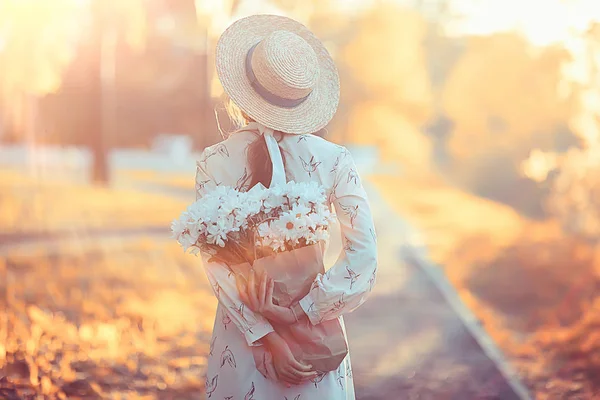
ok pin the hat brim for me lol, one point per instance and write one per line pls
(312, 114)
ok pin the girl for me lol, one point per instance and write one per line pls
(284, 86)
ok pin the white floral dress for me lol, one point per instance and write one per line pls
(232, 373)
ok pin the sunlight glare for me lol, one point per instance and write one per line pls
(542, 22)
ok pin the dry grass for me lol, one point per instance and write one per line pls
(106, 321)
(98, 319)
(168, 179)
(29, 205)
(533, 287)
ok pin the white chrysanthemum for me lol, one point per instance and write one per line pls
(306, 192)
(298, 208)
(274, 199)
(321, 235)
(228, 205)
(217, 231)
(291, 226)
(177, 228)
(187, 240)
(302, 213)
(252, 203)
(278, 244)
(313, 193)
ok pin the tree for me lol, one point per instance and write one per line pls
(387, 88)
(574, 176)
(502, 98)
(37, 44)
(41, 41)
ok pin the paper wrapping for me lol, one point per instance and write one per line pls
(323, 345)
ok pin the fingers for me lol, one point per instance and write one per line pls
(252, 290)
(262, 295)
(295, 372)
(241, 287)
(288, 376)
(302, 375)
(271, 370)
(297, 365)
(296, 376)
(269, 295)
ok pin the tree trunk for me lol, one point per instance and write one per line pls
(95, 126)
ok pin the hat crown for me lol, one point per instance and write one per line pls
(286, 65)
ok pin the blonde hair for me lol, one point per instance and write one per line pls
(259, 160)
(237, 117)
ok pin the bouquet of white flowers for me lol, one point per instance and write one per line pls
(277, 231)
(237, 227)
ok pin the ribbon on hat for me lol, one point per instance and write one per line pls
(278, 177)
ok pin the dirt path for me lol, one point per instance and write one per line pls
(408, 340)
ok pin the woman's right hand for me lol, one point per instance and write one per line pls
(288, 369)
(257, 294)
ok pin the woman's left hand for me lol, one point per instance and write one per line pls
(258, 295)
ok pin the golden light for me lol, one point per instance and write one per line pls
(542, 21)
(538, 165)
(48, 30)
(390, 93)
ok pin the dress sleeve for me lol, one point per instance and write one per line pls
(253, 326)
(346, 285)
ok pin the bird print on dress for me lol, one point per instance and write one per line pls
(350, 211)
(212, 345)
(250, 394)
(302, 138)
(211, 385)
(348, 245)
(338, 305)
(314, 285)
(332, 195)
(353, 176)
(310, 166)
(340, 377)
(240, 311)
(295, 398)
(336, 164)
(318, 378)
(353, 276)
(218, 149)
(217, 289)
(213, 151)
(227, 357)
(226, 319)
(372, 279)
(348, 370)
(201, 184)
(344, 151)
(228, 398)
(241, 183)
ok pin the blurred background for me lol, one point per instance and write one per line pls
(477, 122)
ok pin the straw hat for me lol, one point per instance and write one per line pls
(278, 73)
